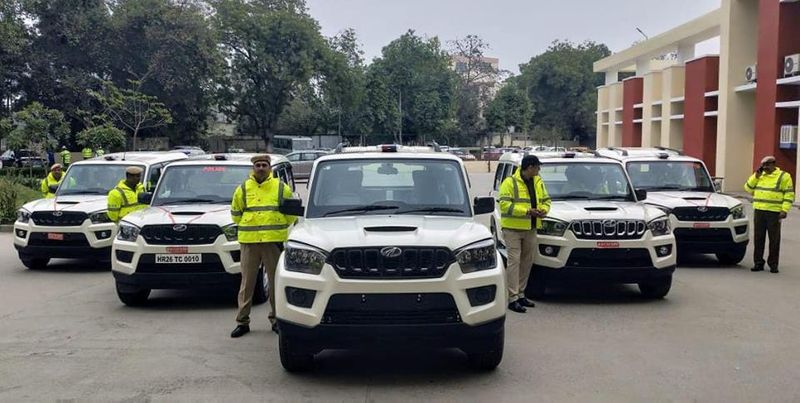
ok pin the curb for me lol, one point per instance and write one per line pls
(7, 228)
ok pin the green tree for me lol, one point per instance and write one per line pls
(272, 49)
(106, 136)
(36, 128)
(511, 107)
(132, 109)
(562, 86)
(14, 44)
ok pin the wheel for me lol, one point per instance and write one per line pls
(734, 256)
(490, 358)
(292, 358)
(34, 263)
(537, 285)
(657, 288)
(261, 293)
(133, 298)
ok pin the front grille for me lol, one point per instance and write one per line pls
(391, 309)
(192, 234)
(59, 218)
(412, 262)
(703, 235)
(609, 258)
(695, 213)
(73, 239)
(210, 264)
(608, 229)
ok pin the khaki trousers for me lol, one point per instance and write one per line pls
(253, 256)
(520, 245)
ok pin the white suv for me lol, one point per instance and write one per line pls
(389, 250)
(186, 238)
(74, 224)
(597, 228)
(704, 220)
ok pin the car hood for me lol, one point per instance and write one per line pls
(84, 203)
(691, 199)
(217, 214)
(592, 209)
(385, 230)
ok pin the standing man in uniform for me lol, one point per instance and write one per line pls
(53, 178)
(262, 231)
(773, 196)
(523, 201)
(66, 157)
(124, 198)
(100, 152)
(87, 152)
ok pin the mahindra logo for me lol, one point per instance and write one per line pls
(57, 213)
(702, 209)
(179, 228)
(391, 251)
(610, 223)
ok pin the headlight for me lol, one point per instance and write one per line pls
(303, 258)
(99, 217)
(552, 227)
(659, 226)
(477, 256)
(23, 215)
(231, 232)
(666, 210)
(737, 212)
(128, 232)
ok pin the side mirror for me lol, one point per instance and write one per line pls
(641, 194)
(717, 183)
(52, 188)
(483, 205)
(292, 207)
(145, 198)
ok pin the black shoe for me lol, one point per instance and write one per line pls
(275, 328)
(240, 331)
(774, 270)
(517, 307)
(757, 268)
(526, 302)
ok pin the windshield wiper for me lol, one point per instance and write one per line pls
(362, 208)
(81, 192)
(432, 210)
(189, 201)
(571, 197)
(609, 197)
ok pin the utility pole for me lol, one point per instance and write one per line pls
(400, 107)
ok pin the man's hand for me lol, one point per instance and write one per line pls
(758, 174)
(782, 215)
(538, 213)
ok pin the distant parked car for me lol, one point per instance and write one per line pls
(302, 161)
(189, 150)
(236, 150)
(22, 158)
(465, 156)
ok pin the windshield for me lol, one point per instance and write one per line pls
(92, 179)
(581, 180)
(193, 184)
(670, 175)
(382, 186)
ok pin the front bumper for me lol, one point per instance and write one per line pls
(328, 283)
(168, 281)
(645, 247)
(85, 241)
(711, 236)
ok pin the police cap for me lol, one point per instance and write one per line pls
(766, 159)
(55, 166)
(133, 171)
(261, 158)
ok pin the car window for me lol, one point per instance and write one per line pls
(191, 184)
(308, 157)
(95, 179)
(293, 157)
(155, 174)
(565, 180)
(679, 175)
(498, 176)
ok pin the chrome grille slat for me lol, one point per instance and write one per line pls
(413, 262)
(608, 229)
(194, 234)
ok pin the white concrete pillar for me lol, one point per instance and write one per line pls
(685, 52)
(642, 67)
(612, 76)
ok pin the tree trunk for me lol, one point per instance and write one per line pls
(267, 136)
(135, 133)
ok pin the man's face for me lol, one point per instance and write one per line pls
(769, 166)
(133, 179)
(531, 171)
(56, 173)
(261, 169)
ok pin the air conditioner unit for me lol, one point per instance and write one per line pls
(791, 65)
(750, 74)
(788, 137)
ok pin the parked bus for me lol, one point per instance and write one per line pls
(287, 144)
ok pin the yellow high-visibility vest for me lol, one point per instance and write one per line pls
(771, 192)
(254, 208)
(514, 202)
(45, 186)
(122, 200)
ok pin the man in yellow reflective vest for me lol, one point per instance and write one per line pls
(87, 152)
(523, 202)
(262, 230)
(773, 195)
(66, 157)
(124, 198)
(53, 178)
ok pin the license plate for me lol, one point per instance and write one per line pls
(701, 225)
(607, 245)
(179, 259)
(55, 237)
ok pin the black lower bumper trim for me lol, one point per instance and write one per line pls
(710, 247)
(627, 275)
(65, 252)
(462, 336)
(177, 281)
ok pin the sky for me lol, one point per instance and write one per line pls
(516, 30)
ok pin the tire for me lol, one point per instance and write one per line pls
(135, 298)
(733, 257)
(489, 359)
(261, 293)
(537, 285)
(656, 289)
(35, 263)
(292, 358)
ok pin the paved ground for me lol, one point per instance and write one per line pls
(723, 334)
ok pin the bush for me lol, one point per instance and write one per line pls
(37, 172)
(13, 195)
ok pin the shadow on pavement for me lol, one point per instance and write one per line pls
(72, 266)
(192, 300)
(596, 294)
(700, 261)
